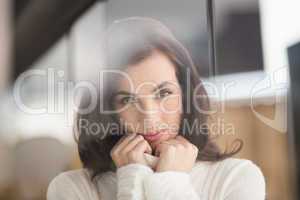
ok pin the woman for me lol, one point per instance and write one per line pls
(149, 103)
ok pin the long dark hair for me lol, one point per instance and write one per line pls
(129, 41)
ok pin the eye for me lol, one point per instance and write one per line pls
(164, 92)
(127, 99)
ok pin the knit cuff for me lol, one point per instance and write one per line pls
(130, 178)
(169, 185)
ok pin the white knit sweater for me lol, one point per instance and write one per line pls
(230, 179)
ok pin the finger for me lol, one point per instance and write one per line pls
(182, 140)
(132, 143)
(162, 147)
(172, 142)
(123, 138)
(149, 149)
(142, 147)
(187, 144)
(124, 141)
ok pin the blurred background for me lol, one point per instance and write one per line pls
(47, 46)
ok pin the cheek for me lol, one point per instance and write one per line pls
(171, 112)
(172, 121)
(171, 105)
(129, 117)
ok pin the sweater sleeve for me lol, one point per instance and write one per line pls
(61, 188)
(75, 185)
(247, 183)
(170, 185)
(130, 181)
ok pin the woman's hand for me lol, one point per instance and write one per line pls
(130, 149)
(176, 155)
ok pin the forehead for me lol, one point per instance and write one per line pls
(148, 73)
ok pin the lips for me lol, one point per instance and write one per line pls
(152, 136)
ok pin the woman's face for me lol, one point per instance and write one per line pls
(149, 99)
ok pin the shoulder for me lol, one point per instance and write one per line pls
(238, 177)
(244, 179)
(75, 184)
(228, 165)
(74, 177)
(232, 167)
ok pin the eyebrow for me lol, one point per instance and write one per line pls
(122, 92)
(161, 86)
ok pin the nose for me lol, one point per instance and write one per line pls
(149, 115)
